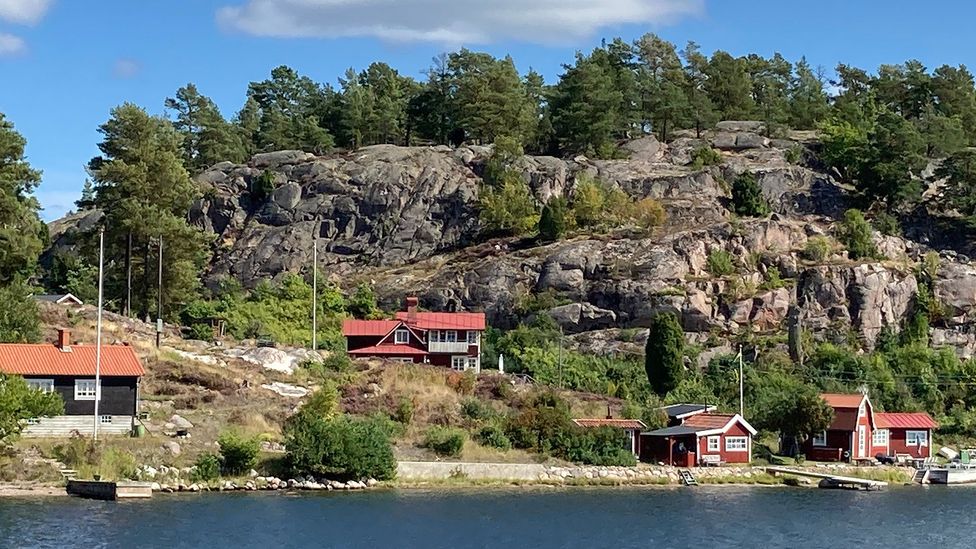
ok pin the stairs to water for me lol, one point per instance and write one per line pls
(687, 478)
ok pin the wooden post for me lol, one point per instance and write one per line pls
(670, 452)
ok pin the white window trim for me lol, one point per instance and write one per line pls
(401, 332)
(86, 395)
(474, 338)
(450, 336)
(730, 448)
(917, 438)
(43, 385)
(875, 439)
(717, 446)
(463, 361)
(434, 336)
(105, 420)
(820, 441)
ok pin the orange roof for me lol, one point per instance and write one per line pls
(352, 327)
(905, 420)
(443, 321)
(47, 359)
(708, 421)
(388, 350)
(619, 423)
(839, 400)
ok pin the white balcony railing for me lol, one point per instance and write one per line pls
(460, 347)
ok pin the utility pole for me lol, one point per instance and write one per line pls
(98, 333)
(741, 406)
(159, 306)
(128, 276)
(560, 357)
(315, 290)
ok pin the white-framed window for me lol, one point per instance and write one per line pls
(473, 337)
(472, 363)
(85, 389)
(714, 443)
(880, 437)
(401, 336)
(820, 439)
(861, 410)
(450, 336)
(105, 420)
(32, 421)
(916, 438)
(43, 385)
(459, 362)
(736, 444)
(434, 336)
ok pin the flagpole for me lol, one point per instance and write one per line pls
(741, 407)
(315, 291)
(98, 333)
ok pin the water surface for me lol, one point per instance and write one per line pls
(540, 519)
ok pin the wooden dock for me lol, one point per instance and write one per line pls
(831, 481)
(101, 489)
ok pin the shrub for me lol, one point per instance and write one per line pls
(817, 249)
(603, 446)
(403, 413)
(494, 436)
(207, 468)
(263, 186)
(773, 280)
(508, 209)
(237, 454)
(647, 213)
(705, 156)
(340, 446)
(855, 234)
(588, 201)
(747, 197)
(462, 382)
(794, 154)
(887, 224)
(476, 409)
(552, 222)
(445, 441)
(720, 263)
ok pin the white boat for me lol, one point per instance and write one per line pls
(960, 474)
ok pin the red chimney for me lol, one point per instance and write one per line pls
(64, 340)
(412, 303)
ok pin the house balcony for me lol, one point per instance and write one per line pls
(458, 348)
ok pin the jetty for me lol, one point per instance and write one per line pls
(831, 481)
(108, 490)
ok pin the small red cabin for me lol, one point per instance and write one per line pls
(701, 439)
(904, 434)
(850, 434)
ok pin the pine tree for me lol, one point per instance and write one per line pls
(808, 99)
(664, 353)
(22, 234)
(662, 84)
(728, 87)
(585, 106)
(701, 111)
(552, 222)
(747, 197)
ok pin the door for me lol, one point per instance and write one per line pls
(862, 435)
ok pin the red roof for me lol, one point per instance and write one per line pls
(838, 400)
(704, 422)
(388, 350)
(352, 327)
(47, 359)
(619, 423)
(905, 420)
(443, 321)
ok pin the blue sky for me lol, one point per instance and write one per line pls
(66, 63)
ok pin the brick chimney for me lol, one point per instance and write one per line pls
(64, 340)
(412, 303)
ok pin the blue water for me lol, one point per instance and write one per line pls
(540, 519)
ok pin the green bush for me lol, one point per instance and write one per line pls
(476, 409)
(207, 468)
(445, 441)
(720, 263)
(773, 280)
(794, 154)
(339, 447)
(747, 197)
(403, 413)
(887, 224)
(855, 234)
(237, 454)
(263, 186)
(604, 446)
(552, 222)
(817, 249)
(705, 156)
(494, 436)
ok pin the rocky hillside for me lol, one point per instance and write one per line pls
(406, 220)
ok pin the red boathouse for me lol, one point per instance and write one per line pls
(700, 439)
(904, 434)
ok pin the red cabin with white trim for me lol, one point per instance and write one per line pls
(700, 439)
(904, 434)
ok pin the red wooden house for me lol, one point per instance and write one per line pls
(850, 434)
(442, 339)
(701, 439)
(903, 434)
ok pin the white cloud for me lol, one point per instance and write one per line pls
(26, 12)
(449, 21)
(126, 68)
(11, 45)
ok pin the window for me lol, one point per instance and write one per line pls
(473, 337)
(435, 336)
(880, 438)
(450, 336)
(736, 444)
(43, 385)
(459, 362)
(714, 444)
(916, 438)
(472, 363)
(85, 389)
(820, 439)
(404, 360)
(402, 337)
(105, 420)
(32, 421)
